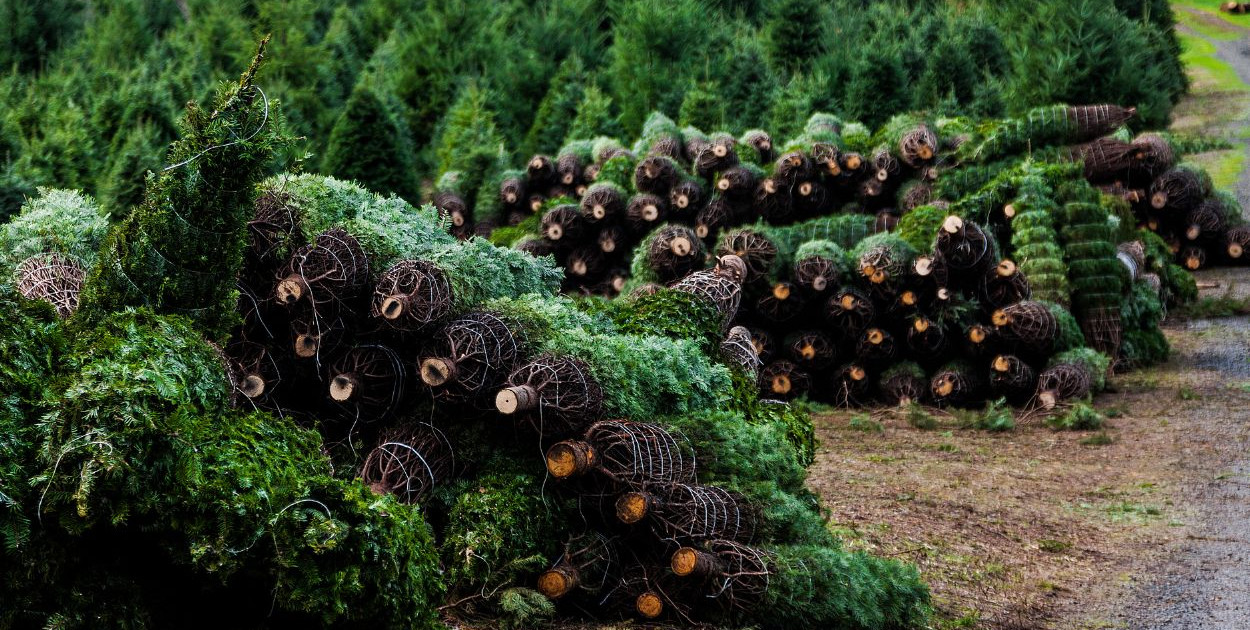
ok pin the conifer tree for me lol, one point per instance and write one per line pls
(557, 110)
(594, 117)
(469, 141)
(181, 250)
(371, 144)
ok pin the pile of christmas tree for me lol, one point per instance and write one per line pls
(292, 401)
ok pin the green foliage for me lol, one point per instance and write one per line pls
(919, 227)
(141, 439)
(500, 528)
(996, 416)
(824, 587)
(62, 221)
(469, 142)
(1096, 362)
(702, 107)
(521, 607)
(558, 109)
(370, 143)
(672, 314)
(479, 271)
(594, 117)
(183, 248)
(1079, 417)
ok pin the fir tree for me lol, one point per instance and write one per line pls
(469, 141)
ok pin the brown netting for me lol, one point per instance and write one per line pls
(722, 291)
(781, 305)
(1131, 195)
(274, 228)
(1177, 189)
(883, 266)
(53, 278)
(827, 157)
(408, 462)
(255, 372)
(312, 336)
(711, 218)
(850, 311)
(915, 196)
(536, 201)
(554, 394)
(513, 192)
(589, 564)
(1236, 241)
(811, 349)
(1206, 221)
(956, 386)
(541, 171)
(452, 207)
(904, 388)
(764, 342)
(753, 248)
(1193, 257)
(718, 155)
(1064, 381)
(682, 513)
(695, 143)
(963, 244)
(926, 339)
(876, 346)
(736, 576)
(645, 211)
(1154, 154)
(628, 453)
(667, 146)
(330, 270)
(1011, 377)
(981, 340)
(468, 357)
(647, 592)
(1103, 329)
(1153, 281)
(761, 142)
(412, 295)
(783, 380)
(849, 385)
(674, 252)
(536, 247)
(884, 164)
(1092, 121)
(1135, 251)
(791, 167)
(656, 175)
(918, 146)
(612, 239)
(260, 319)
(586, 262)
(737, 182)
(563, 225)
(817, 274)
(686, 197)
(1105, 158)
(1031, 324)
(852, 162)
(568, 169)
(602, 203)
(773, 201)
(367, 382)
(738, 350)
(1004, 284)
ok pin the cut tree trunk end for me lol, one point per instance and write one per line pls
(512, 400)
(570, 458)
(558, 582)
(689, 561)
(632, 507)
(437, 371)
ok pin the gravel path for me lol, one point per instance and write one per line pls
(1204, 580)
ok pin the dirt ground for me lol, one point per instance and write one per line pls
(1036, 528)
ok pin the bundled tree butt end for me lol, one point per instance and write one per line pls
(253, 386)
(511, 400)
(690, 562)
(558, 582)
(952, 224)
(437, 371)
(393, 307)
(343, 387)
(649, 605)
(290, 290)
(632, 507)
(306, 346)
(570, 458)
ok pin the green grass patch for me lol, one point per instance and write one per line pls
(1213, 74)
(1231, 23)
(1224, 166)
(1214, 307)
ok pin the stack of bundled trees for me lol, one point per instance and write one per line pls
(263, 386)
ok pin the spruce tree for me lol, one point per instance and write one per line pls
(594, 118)
(469, 141)
(371, 144)
(557, 110)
